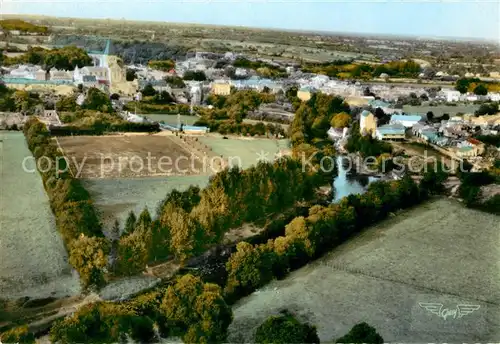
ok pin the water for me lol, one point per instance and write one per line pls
(347, 182)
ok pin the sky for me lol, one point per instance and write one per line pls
(424, 18)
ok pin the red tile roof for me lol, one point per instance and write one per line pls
(474, 141)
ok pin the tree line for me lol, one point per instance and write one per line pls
(470, 187)
(348, 69)
(23, 26)
(76, 218)
(188, 223)
(66, 58)
(307, 238)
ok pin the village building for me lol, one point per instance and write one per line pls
(367, 123)
(407, 121)
(390, 132)
(221, 88)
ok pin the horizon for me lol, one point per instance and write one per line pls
(436, 21)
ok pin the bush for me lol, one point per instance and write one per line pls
(361, 333)
(18, 335)
(285, 329)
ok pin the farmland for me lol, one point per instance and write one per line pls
(129, 156)
(248, 150)
(114, 198)
(438, 252)
(440, 110)
(33, 260)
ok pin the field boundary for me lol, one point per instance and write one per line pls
(64, 154)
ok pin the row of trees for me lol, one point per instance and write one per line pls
(20, 101)
(66, 58)
(237, 105)
(225, 127)
(465, 85)
(188, 223)
(23, 26)
(264, 69)
(347, 69)
(188, 308)
(470, 187)
(163, 65)
(307, 238)
(76, 218)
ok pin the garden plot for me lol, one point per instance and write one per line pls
(244, 152)
(33, 259)
(439, 252)
(115, 198)
(130, 156)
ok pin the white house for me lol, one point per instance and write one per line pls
(56, 74)
(451, 95)
(24, 72)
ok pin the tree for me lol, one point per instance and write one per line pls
(114, 96)
(430, 116)
(97, 100)
(195, 75)
(361, 333)
(480, 90)
(89, 256)
(133, 253)
(148, 91)
(130, 75)
(445, 117)
(341, 120)
(18, 335)
(285, 329)
(130, 224)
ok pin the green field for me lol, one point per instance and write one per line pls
(244, 150)
(172, 119)
(439, 252)
(33, 260)
(115, 198)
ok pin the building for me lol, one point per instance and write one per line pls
(336, 134)
(23, 72)
(89, 81)
(100, 73)
(56, 74)
(41, 75)
(477, 146)
(221, 88)
(407, 121)
(451, 95)
(305, 93)
(390, 132)
(367, 123)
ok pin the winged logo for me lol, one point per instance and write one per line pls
(457, 313)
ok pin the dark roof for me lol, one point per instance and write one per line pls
(89, 78)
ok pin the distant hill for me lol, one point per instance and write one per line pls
(23, 26)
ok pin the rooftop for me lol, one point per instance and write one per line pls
(366, 113)
(412, 118)
(391, 129)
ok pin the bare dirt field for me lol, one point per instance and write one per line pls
(439, 252)
(130, 156)
(33, 260)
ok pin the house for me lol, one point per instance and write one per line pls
(390, 132)
(477, 146)
(56, 74)
(336, 134)
(23, 72)
(305, 93)
(101, 73)
(221, 88)
(40, 75)
(451, 95)
(367, 123)
(465, 152)
(407, 121)
(89, 81)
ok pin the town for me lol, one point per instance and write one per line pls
(238, 194)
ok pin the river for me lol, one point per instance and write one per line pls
(347, 182)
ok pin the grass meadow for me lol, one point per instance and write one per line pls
(247, 149)
(115, 198)
(33, 259)
(438, 252)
